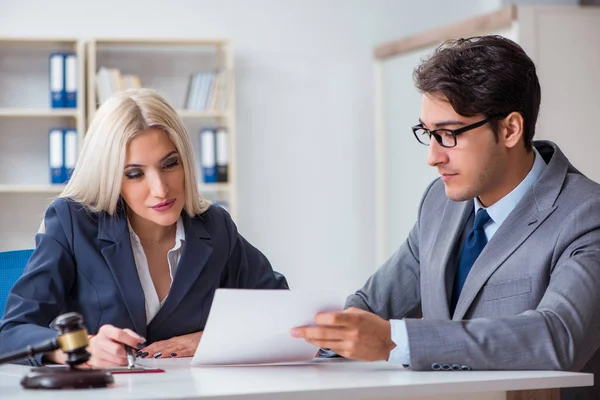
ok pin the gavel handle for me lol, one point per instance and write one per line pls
(30, 351)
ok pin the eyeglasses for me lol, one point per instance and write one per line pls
(447, 137)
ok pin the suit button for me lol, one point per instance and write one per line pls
(455, 367)
(465, 367)
(436, 366)
(446, 367)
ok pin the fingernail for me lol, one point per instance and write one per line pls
(139, 353)
(173, 355)
(295, 332)
(140, 346)
(144, 354)
(156, 355)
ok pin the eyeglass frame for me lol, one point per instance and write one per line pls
(454, 132)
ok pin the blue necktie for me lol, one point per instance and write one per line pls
(472, 247)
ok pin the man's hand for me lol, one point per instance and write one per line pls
(181, 346)
(354, 334)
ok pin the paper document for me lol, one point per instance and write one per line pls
(253, 326)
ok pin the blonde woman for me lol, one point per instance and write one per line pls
(131, 245)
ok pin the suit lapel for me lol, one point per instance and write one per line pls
(196, 252)
(529, 214)
(520, 224)
(452, 225)
(119, 256)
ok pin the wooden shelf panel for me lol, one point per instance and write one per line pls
(51, 189)
(24, 41)
(161, 42)
(201, 114)
(214, 187)
(8, 112)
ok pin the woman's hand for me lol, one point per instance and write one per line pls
(108, 346)
(178, 346)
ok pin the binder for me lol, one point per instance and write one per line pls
(191, 92)
(199, 84)
(222, 155)
(70, 143)
(207, 160)
(56, 155)
(57, 80)
(70, 83)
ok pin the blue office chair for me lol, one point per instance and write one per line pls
(12, 264)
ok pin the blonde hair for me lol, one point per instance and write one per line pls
(97, 178)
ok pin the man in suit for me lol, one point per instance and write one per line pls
(504, 259)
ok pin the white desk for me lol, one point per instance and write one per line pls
(317, 380)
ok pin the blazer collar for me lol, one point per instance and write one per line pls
(112, 227)
(196, 253)
(537, 205)
(454, 218)
(117, 252)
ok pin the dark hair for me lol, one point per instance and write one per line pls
(488, 75)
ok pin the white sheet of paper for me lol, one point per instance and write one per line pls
(253, 326)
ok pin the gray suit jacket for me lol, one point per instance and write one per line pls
(532, 298)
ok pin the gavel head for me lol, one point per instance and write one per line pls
(72, 338)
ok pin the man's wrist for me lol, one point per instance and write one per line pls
(391, 345)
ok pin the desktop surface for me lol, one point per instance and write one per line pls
(330, 379)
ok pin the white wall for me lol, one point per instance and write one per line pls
(305, 108)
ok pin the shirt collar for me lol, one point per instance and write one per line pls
(500, 210)
(179, 234)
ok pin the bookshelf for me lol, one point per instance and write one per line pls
(26, 117)
(168, 65)
(25, 107)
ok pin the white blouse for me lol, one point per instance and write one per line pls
(141, 263)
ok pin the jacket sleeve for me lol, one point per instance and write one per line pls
(562, 333)
(393, 291)
(247, 267)
(38, 297)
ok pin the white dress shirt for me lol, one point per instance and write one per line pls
(153, 305)
(498, 212)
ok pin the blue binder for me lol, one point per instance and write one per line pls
(207, 160)
(222, 150)
(70, 159)
(56, 73)
(70, 80)
(56, 151)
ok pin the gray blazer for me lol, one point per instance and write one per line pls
(532, 298)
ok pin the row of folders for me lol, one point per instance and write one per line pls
(111, 80)
(63, 80)
(206, 91)
(63, 151)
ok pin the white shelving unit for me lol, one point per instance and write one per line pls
(25, 119)
(166, 66)
(26, 115)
